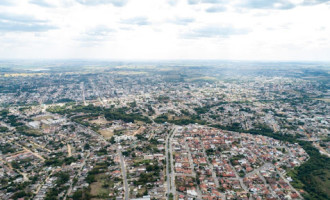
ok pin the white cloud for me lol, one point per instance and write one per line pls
(166, 29)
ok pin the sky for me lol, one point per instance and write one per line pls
(276, 30)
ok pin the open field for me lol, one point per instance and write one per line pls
(101, 188)
(99, 121)
(204, 78)
(106, 133)
(45, 117)
(130, 73)
(324, 99)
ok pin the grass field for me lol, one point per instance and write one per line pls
(102, 187)
(106, 133)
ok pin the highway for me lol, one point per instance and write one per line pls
(173, 189)
(170, 176)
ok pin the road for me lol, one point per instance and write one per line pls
(239, 179)
(78, 174)
(123, 171)
(191, 163)
(42, 147)
(40, 186)
(122, 161)
(168, 178)
(96, 91)
(214, 176)
(292, 188)
(169, 164)
(69, 150)
(267, 185)
(83, 93)
(35, 154)
(321, 149)
(173, 189)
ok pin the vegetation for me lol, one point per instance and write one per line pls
(58, 162)
(3, 129)
(151, 175)
(98, 169)
(191, 119)
(21, 194)
(25, 130)
(7, 148)
(313, 176)
(53, 193)
(93, 111)
(82, 194)
(117, 115)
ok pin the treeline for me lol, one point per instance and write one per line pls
(109, 113)
(58, 162)
(151, 175)
(188, 119)
(3, 129)
(313, 176)
(131, 117)
(99, 168)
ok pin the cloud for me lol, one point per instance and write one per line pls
(216, 31)
(41, 3)
(6, 3)
(193, 2)
(117, 3)
(100, 31)
(216, 9)
(264, 4)
(278, 4)
(257, 4)
(23, 23)
(19, 18)
(96, 34)
(314, 2)
(182, 21)
(172, 2)
(213, 1)
(140, 21)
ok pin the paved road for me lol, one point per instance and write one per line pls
(292, 188)
(239, 179)
(123, 171)
(267, 185)
(173, 189)
(78, 175)
(199, 193)
(216, 182)
(82, 86)
(168, 178)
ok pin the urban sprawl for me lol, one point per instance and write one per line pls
(164, 132)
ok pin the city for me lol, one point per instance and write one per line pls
(164, 132)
